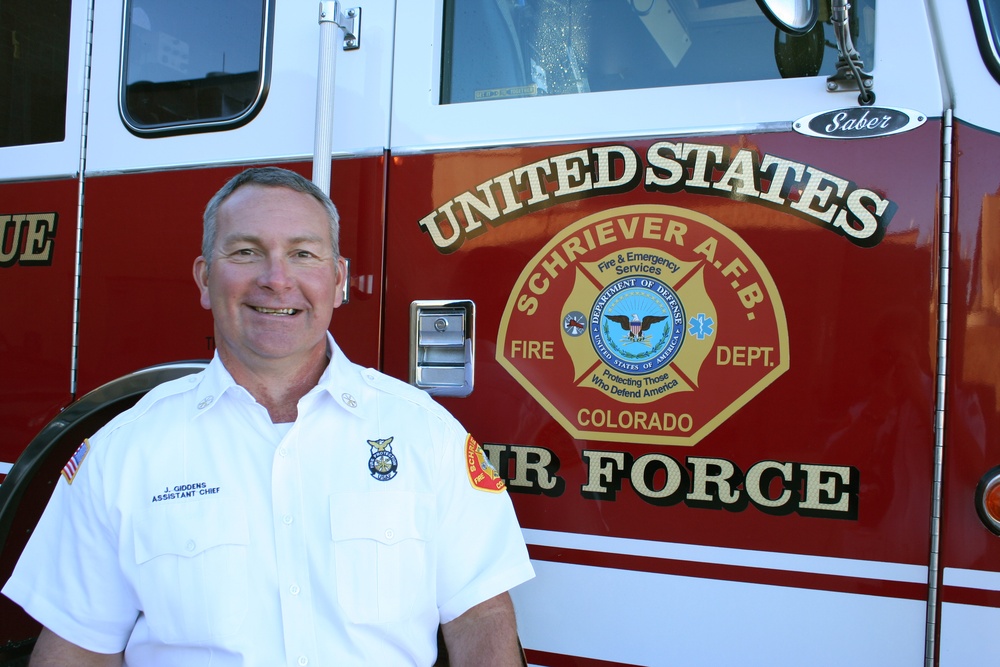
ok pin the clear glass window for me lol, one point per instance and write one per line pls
(34, 65)
(986, 19)
(496, 49)
(193, 65)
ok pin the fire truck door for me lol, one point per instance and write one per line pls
(970, 412)
(705, 292)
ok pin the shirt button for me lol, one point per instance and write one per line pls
(190, 545)
(303, 661)
(389, 534)
(282, 452)
(287, 519)
(294, 590)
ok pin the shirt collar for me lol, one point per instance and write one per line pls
(341, 380)
(215, 382)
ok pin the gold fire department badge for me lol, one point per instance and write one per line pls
(648, 324)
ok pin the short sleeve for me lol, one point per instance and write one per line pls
(481, 550)
(68, 577)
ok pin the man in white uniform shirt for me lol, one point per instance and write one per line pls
(283, 507)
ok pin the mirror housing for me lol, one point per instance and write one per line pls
(792, 16)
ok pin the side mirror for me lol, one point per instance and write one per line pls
(794, 16)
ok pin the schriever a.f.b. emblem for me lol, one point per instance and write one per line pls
(382, 463)
(625, 326)
(482, 474)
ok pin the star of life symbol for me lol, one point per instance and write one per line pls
(382, 464)
(701, 327)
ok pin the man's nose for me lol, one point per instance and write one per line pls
(275, 274)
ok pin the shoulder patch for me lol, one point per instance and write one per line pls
(482, 474)
(73, 465)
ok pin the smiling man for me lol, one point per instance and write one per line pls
(271, 274)
(283, 507)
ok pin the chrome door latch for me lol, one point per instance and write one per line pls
(442, 354)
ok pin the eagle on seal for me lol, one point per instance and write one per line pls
(635, 326)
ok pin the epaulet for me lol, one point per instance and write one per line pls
(390, 385)
(151, 398)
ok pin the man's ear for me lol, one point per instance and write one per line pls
(201, 279)
(342, 278)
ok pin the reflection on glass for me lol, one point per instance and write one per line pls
(34, 62)
(192, 61)
(992, 11)
(495, 49)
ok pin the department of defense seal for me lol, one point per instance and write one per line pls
(645, 340)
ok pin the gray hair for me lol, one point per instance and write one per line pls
(273, 177)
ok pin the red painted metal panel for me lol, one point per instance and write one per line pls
(861, 325)
(36, 284)
(972, 422)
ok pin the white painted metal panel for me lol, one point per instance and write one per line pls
(643, 618)
(963, 642)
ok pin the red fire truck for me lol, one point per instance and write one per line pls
(715, 282)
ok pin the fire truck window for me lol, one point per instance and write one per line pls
(34, 57)
(495, 49)
(986, 19)
(193, 65)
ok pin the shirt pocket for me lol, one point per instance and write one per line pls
(382, 549)
(191, 559)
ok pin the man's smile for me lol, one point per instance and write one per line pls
(275, 311)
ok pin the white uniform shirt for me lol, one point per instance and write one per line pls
(196, 532)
